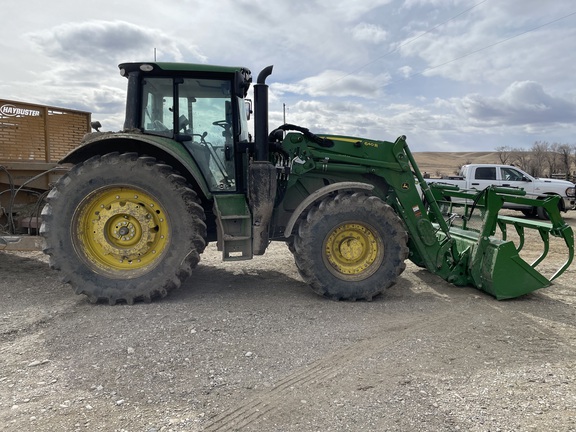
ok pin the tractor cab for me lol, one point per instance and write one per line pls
(202, 107)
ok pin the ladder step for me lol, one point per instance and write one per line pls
(234, 227)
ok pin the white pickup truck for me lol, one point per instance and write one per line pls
(479, 176)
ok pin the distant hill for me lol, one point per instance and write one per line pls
(448, 163)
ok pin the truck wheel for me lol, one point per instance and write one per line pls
(531, 212)
(543, 214)
(350, 247)
(123, 228)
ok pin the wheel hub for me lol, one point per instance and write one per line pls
(121, 229)
(352, 249)
(124, 230)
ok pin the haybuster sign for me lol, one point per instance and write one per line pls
(9, 110)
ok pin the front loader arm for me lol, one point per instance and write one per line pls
(481, 257)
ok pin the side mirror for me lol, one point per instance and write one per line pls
(96, 125)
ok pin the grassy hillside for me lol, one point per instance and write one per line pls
(448, 163)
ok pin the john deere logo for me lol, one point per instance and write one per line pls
(405, 186)
(9, 110)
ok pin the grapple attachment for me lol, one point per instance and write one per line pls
(487, 257)
(462, 237)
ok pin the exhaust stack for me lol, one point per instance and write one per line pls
(261, 114)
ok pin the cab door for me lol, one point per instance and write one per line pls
(512, 177)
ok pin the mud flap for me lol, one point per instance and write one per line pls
(261, 196)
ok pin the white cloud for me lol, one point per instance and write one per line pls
(347, 10)
(522, 103)
(369, 33)
(405, 71)
(487, 46)
(337, 84)
(378, 68)
(109, 41)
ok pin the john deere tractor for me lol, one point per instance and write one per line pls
(132, 217)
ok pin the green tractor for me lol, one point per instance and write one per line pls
(132, 217)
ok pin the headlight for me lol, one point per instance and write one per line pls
(571, 191)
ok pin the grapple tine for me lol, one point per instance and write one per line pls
(568, 236)
(545, 236)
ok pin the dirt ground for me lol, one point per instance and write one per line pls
(249, 347)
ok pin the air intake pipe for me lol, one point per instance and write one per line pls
(261, 114)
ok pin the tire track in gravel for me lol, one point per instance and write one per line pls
(329, 367)
(446, 325)
(59, 311)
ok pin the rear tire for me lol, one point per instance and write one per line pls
(123, 228)
(350, 247)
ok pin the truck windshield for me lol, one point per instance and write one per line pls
(201, 109)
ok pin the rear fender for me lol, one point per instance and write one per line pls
(163, 149)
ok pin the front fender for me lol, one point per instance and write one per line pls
(163, 149)
(321, 193)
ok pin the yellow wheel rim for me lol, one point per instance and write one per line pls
(353, 251)
(121, 231)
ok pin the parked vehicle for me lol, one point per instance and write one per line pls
(33, 138)
(132, 217)
(480, 176)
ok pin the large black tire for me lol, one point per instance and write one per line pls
(350, 247)
(530, 213)
(543, 214)
(123, 228)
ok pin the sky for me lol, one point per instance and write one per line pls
(451, 75)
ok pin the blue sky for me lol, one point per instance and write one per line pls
(451, 75)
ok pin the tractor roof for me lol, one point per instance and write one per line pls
(167, 67)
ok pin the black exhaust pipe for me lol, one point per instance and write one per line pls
(261, 114)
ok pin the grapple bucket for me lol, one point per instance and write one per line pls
(480, 251)
(489, 260)
(504, 274)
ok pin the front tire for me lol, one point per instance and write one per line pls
(350, 247)
(123, 228)
(543, 214)
(530, 213)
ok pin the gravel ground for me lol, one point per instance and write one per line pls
(247, 346)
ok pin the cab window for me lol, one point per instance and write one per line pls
(486, 173)
(200, 114)
(511, 174)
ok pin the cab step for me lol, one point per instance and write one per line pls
(234, 225)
